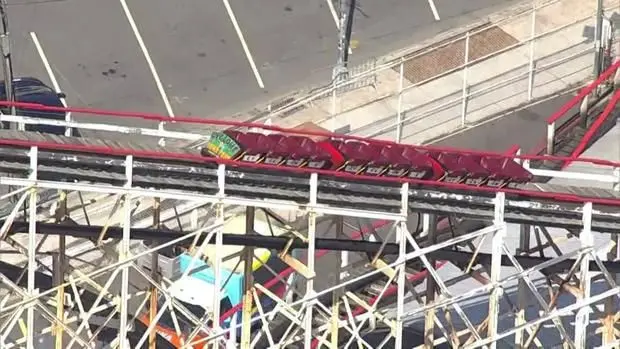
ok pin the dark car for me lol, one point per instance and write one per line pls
(33, 90)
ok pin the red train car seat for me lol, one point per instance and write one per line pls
(505, 171)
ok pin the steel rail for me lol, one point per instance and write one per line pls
(355, 193)
(75, 151)
(60, 142)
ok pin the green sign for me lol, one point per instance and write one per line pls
(223, 146)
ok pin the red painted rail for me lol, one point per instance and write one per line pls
(583, 93)
(596, 125)
(188, 157)
(513, 150)
(555, 117)
(562, 197)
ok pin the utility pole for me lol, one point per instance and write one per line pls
(347, 11)
(598, 37)
(5, 45)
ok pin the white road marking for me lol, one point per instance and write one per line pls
(332, 10)
(431, 3)
(52, 77)
(248, 54)
(147, 56)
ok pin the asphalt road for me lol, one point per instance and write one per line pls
(197, 53)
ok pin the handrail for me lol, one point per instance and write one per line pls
(566, 127)
(163, 155)
(318, 92)
(596, 125)
(475, 93)
(584, 92)
(552, 120)
(499, 52)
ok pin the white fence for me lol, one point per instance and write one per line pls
(536, 53)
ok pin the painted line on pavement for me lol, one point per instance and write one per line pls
(147, 56)
(332, 10)
(244, 44)
(431, 3)
(52, 77)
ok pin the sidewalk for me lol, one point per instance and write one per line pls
(434, 107)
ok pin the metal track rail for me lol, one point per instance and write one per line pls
(73, 160)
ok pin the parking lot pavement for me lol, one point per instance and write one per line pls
(196, 51)
(90, 49)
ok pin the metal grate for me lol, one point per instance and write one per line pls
(483, 43)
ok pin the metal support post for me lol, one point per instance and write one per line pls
(530, 80)
(522, 293)
(496, 264)
(430, 228)
(582, 318)
(248, 280)
(293, 280)
(59, 270)
(583, 111)
(611, 308)
(32, 245)
(7, 64)
(399, 113)
(344, 261)
(338, 292)
(347, 11)
(402, 252)
(314, 179)
(465, 86)
(124, 255)
(334, 98)
(58, 280)
(217, 263)
(609, 330)
(550, 138)
(155, 275)
(598, 47)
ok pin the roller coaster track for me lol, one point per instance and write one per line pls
(122, 167)
(64, 159)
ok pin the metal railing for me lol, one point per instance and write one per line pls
(476, 87)
(582, 99)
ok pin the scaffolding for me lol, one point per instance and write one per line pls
(71, 272)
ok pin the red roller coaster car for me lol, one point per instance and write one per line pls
(366, 158)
